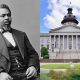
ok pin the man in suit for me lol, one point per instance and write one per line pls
(18, 59)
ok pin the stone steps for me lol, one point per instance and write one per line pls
(59, 60)
(67, 56)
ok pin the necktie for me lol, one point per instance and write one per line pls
(8, 30)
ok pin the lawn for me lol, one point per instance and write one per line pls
(59, 75)
(44, 77)
(59, 66)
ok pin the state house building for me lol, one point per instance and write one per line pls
(63, 42)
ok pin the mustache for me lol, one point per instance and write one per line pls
(7, 21)
(3, 24)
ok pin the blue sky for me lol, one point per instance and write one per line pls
(43, 12)
(53, 11)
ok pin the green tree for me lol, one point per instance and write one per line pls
(44, 52)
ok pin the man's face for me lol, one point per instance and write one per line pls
(5, 17)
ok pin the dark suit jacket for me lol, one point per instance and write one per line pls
(28, 53)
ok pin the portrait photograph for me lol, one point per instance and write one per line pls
(19, 40)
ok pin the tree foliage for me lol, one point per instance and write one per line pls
(44, 52)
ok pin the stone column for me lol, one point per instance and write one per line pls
(67, 42)
(63, 42)
(54, 41)
(59, 41)
(72, 41)
(50, 47)
(77, 42)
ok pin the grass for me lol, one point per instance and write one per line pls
(59, 75)
(59, 66)
(44, 77)
(68, 75)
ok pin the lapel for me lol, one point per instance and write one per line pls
(19, 39)
(3, 47)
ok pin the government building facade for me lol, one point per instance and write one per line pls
(63, 42)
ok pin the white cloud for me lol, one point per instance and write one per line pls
(58, 10)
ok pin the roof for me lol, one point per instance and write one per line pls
(69, 17)
(59, 28)
(44, 35)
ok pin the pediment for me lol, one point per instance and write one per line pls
(66, 29)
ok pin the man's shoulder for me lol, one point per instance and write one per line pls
(18, 31)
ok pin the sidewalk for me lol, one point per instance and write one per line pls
(47, 70)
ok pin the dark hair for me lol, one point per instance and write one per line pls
(6, 7)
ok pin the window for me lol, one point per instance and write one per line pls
(48, 41)
(47, 46)
(42, 45)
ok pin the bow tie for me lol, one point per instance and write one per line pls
(8, 30)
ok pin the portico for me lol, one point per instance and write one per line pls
(65, 42)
